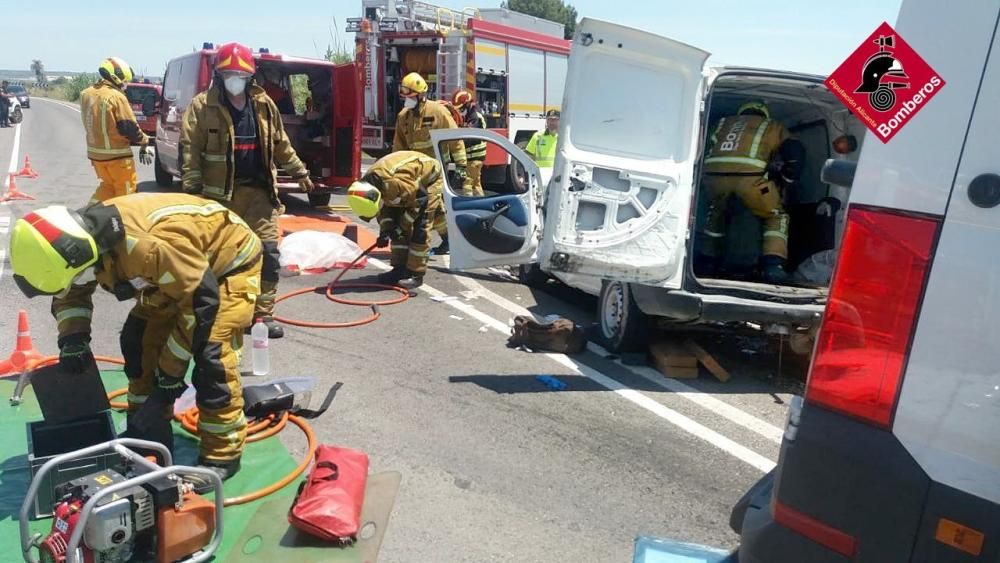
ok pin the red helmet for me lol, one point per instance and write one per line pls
(461, 98)
(235, 57)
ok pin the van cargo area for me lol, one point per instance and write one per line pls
(816, 118)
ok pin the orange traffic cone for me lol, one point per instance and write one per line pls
(13, 192)
(27, 171)
(24, 356)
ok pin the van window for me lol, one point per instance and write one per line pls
(188, 80)
(171, 78)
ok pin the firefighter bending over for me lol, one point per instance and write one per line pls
(111, 130)
(193, 268)
(741, 157)
(414, 124)
(404, 190)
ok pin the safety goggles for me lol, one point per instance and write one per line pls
(234, 74)
(406, 92)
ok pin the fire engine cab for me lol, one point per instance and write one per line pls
(514, 64)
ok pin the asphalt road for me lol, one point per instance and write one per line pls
(495, 466)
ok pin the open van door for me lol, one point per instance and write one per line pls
(620, 197)
(501, 225)
(346, 125)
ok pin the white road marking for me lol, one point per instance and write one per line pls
(12, 168)
(719, 407)
(4, 224)
(60, 103)
(725, 444)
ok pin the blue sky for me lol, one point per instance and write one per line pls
(806, 35)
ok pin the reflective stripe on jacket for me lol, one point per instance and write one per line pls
(413, 131)
(109, 122)
(743, 144)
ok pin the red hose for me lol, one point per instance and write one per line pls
(329, 292)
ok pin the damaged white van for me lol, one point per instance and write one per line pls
(625, 206)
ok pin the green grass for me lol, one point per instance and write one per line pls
(66, 90)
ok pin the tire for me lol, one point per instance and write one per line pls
(319, 200)
(17, 116)
(163, 178)
(624, 328)
(531, 275)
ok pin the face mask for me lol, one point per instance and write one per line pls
(235, 85)
(409, 103)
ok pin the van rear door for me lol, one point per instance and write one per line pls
(346, 141)
(619, 203)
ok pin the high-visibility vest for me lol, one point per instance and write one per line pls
(542, 148)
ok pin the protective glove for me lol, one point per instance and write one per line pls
(75, 355)
(146, 154)
(306, 184)
(828, 207)
(383, 240)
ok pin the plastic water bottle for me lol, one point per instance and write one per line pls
(261, 357)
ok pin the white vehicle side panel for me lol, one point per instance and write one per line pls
(525, 83)
(555, 80)
(949, 408)
(491, 56)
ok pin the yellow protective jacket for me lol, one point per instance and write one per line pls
(474, 119)
(743, 145)
(109, 122)
(407, 179)
(413, 131)
(206, 145)
(171, 252)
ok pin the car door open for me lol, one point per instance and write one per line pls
(492, 218)
(624, 170)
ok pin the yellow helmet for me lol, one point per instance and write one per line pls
(49, 248)
(365, 199)
(756, 106)
(115, 71)
(413, 85)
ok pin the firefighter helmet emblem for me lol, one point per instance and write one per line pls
(882, 74)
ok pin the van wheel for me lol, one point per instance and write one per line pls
(319, 200)
(17, 116)
(623, 326)
(163, 178)
(531, 275)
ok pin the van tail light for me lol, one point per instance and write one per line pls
(871, 315)
(821, 533)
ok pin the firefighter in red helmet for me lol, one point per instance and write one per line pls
(475, 153)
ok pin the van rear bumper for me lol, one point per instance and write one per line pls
(684, 306)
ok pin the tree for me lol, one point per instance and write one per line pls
(554, 10)
(38, 68)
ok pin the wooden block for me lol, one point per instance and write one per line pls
(708, 361)
(672, 353)
(678, 373)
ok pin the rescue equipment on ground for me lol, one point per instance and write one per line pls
(328, 503)
(556, 335)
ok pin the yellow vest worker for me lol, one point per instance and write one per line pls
(193, 268)
(741, 148)
(404, 190)
(542, 145)
(111, 131)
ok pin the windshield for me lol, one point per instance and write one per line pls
(16, 89)
(140, 95)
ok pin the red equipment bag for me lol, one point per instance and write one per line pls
(328, 503)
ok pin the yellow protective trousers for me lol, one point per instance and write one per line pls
(256, 206)
(413, 248)
(473, 185)
(222, 426)
(761, 196)
(117, 178)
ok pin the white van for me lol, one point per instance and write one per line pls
(623, 204)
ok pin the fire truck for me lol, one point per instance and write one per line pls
(515, 65)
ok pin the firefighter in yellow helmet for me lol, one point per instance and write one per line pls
(404, 190)
(232, 143)
(414, 124)
(475, 153)
(193, 268)
(111, 131)
(741, 157)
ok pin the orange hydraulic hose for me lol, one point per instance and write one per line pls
(329, 292)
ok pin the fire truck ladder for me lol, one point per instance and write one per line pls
(444, 20)
(450, 66)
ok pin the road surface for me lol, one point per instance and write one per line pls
(495, 466)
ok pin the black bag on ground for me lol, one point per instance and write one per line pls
(560, 335)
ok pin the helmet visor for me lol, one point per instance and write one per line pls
(29, 290)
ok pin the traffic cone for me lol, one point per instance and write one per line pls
(27, 171)
(13, 192)
(24, 356)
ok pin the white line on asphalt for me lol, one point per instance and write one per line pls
(63, 104)
(4, 224)
(712, 437)
(719, 407)
(3, 261)
(12, 168)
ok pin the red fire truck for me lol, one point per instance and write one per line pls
(514, 63)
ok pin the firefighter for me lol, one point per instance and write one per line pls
(111, 131)
(404, 190)
(475, 153)
(193, 268)
(741, 150)
(414, 124)
(542, 145)
(232, 141)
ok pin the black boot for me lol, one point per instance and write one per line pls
(163, 434)
(224, 469)
(443, 248)
(773, 270)
(412, 281)
(393, 276)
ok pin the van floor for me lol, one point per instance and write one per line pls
(787, 291)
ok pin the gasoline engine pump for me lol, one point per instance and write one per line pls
(140, 511)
